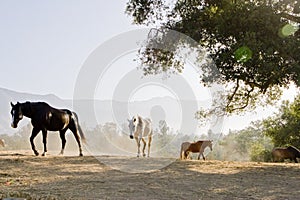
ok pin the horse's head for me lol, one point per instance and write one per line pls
(132, 126)
(16, 114)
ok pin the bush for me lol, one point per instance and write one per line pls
(259, 154)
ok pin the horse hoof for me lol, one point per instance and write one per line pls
(43, 154)
(144, 155)
(80, 154)
(36, 153)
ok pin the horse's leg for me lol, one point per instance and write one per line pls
(62, 134)
(144, 147)
(199, 155)
(149, 145)
(34, 133)
(44, 141)
(295, 159)
(185, 154)
(138, 142)
(74, 130)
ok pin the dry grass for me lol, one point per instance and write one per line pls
(58, 177)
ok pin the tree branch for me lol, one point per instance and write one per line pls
(247, 102)
(290, 17)
(234, 92)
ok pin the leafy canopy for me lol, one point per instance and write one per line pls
(284, 127)
(255, 44)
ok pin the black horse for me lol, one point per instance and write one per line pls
(43, 118)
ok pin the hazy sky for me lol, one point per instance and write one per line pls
(44, 43)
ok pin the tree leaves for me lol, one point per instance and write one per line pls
(284, 127)
(254, 44)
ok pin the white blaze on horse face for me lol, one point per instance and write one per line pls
(131, 127)
(13, 118)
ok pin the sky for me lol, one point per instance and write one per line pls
(45, 44)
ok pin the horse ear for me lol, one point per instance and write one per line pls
(128, 120)
(12, 105)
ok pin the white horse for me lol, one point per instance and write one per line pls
(2, 143)
(139, 129)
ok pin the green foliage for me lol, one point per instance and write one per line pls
(284, 126)
(143, 10)
(246, 144)
(258, 153)
(254, 44)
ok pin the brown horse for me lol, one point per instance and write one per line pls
(2, 143)
(281, 153)
(195, 147)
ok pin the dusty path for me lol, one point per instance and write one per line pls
(57, 177)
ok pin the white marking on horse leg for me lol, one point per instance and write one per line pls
(138, 142)
(149, 145)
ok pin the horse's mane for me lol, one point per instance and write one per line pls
(293, 148)
(139, 121)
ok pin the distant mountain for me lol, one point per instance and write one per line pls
(179, 115)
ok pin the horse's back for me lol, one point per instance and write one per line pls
(185, 146)
(195, 147)
(46, 116)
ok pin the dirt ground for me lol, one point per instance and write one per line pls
(74, 177)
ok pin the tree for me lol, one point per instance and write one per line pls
(249, 143)
(255, 45)
(163, 127)
(284, 126)
(110, 130)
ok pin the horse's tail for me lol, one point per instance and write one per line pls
(76, 121)
(181, 151)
